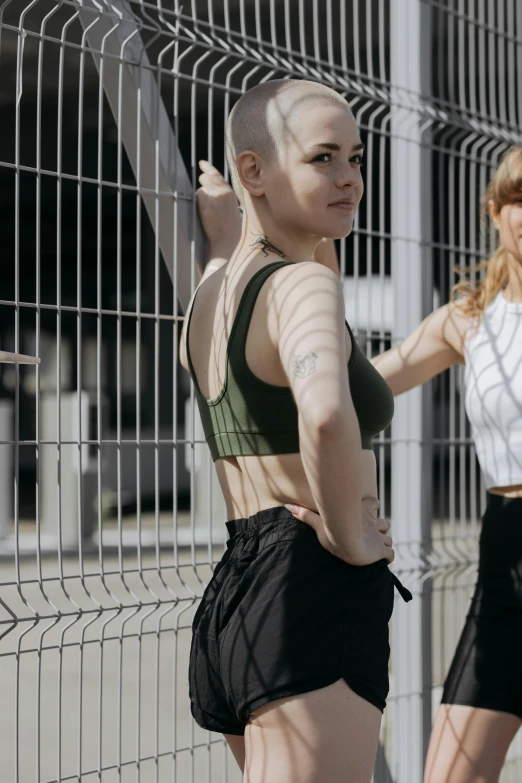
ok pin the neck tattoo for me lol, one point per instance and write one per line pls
(263, 243)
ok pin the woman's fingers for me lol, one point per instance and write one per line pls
(304, 514)
(208, 168)
(312, 518)
(389, 554)
(212, 178)
(383, 525)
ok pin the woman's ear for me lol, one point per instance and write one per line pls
(494, 215)
(250, 172)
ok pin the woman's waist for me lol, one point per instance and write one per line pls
(511, 492)
(269, 481)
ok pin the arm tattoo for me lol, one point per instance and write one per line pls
(303, 364)
(263, 243)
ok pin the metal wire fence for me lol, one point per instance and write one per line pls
(111, 518)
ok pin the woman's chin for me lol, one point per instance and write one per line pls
(339, 234)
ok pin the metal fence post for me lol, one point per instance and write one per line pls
(411, 463)
(114, 39)
(6, 467)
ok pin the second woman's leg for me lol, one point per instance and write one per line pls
(469, 744)
(482, 701)
(330, 734)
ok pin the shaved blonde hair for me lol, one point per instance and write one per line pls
(261, 119)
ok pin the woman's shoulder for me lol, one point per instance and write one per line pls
(304, 284)
(459, 323)
(302, 294)
(306, 274)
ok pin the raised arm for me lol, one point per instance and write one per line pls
(436, 344)
(219, 212)
(311, 340)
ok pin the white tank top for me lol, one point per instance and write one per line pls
(493, 373)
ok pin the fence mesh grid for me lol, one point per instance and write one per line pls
(111, 519)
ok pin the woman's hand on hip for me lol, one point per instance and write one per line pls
(375, 545)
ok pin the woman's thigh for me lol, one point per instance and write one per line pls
(330, 734)
(469, 744)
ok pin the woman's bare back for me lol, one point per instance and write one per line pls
(251, 483)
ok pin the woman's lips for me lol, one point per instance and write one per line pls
(347, 206)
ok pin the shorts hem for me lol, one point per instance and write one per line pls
(482, 706)
(308, 687)
(214, 725)
(366, 692)
(362, 691)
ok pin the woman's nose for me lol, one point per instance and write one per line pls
(348, 175)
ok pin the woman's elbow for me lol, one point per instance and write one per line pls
(327, 420)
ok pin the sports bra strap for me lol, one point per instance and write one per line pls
(239, 331)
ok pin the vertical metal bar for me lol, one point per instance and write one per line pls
(369, 39)
(511, 62)
(342, 32)
(483, 108)
(501, 70)
(383, 60)
(356, 44)
(19, 73)
(470, 67)
(99, 255)
(518, 66)
(79, 327)
(491, 79)
(410, 464)
(157, 339)
(315, 23)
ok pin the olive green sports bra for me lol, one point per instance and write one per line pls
(251, 417)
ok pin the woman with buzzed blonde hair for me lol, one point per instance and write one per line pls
(289, 656)
(481, 708)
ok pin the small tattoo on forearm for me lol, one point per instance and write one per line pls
(303, 364)
(264, 244)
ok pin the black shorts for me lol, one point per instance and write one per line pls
(282, 616)
(486, 671)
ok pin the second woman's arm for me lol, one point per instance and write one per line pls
(436, 344)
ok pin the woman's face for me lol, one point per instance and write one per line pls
(508, 223)
(315, 185)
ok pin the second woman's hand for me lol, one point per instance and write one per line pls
(375, 545)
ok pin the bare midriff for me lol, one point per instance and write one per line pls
(252, 484)
(514, 491)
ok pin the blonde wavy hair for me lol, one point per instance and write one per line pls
(505, 187)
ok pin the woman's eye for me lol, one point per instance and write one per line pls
(324, 157)
(357, 159)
